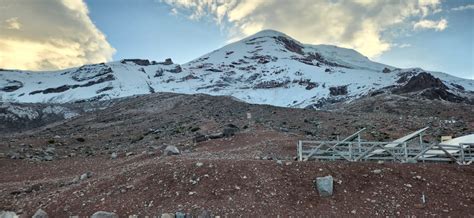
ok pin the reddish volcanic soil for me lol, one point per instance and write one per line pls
(231, 181)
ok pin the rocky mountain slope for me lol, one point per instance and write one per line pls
(266, 68)
(115, 160)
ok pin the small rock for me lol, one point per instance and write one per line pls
(104, 214)
(180, 215)
(205, 214)
(408, 185)
(85, 176)
(288, 163)
(199, 164)
(377, 171)
(167, 215)
(279, 162)
(171, 150)
(324, 185)
(419, 206)
(50, 150)
(40, 214)
(113, 155)
(48, 158)
(353, 211)
(199, 138)
(14, 155)
(129, 154)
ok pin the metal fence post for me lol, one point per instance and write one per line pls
(300, 151)
(406, 151)
(350, 151)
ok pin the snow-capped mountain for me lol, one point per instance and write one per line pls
(266, 68)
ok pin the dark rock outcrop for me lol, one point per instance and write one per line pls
(290, 45)
(442, 94)
(141, 62)
(12, 86)
(64, 88)
(429, 87)
(338, 90)
(177, 69)
(420, 82)
(271, 84)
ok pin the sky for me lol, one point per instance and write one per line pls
(56, 34)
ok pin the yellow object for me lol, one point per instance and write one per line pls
(446, 138)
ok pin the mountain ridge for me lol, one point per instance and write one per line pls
(268, 67)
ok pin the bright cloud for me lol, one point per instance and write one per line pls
(357, 24)
(431, 24)
(464, 7)
(49, 35)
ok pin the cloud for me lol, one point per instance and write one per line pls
(431, 24)
(49, 35)
(12, 24)
(357, 24)
(404, 45)
(463, 7)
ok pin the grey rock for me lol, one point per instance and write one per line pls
(48, 158)
(171, 150)
(215, 135)
(324, 185)
(129, 154)
(50, 150)
(377, 171)
(8, 214)
(85, 176)
(228, 132)
(104, 214)
(40, 214)
(411, 161)
(204, 214)
(167, 215)
(113, 155)
(199, 138)
(180, 215)
(14, 155)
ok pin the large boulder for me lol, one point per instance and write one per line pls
(324, 185)
(104, 214)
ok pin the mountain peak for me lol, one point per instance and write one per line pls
(268, 32)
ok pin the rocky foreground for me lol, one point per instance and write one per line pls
(200, 155)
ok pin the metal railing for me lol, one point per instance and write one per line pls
(400, 152)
